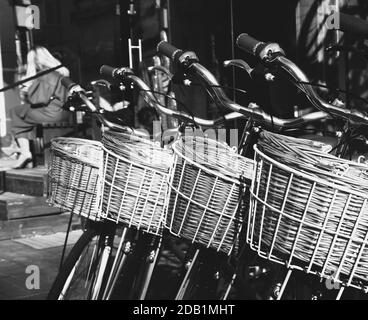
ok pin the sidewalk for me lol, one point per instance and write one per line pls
(15, 257)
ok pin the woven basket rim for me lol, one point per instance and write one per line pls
(323, 148)
(203, 168)
(319, 161)
(75, 158)
(163, 172)
(306, 176)
(61, 151)
(137, 138)
(77, 140)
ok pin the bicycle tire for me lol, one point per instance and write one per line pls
(71, 261)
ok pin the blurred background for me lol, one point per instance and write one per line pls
(86, 34)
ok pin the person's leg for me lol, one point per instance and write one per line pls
(22, 129)
(24, 145)
(25, 119)
(22, 125)
(17, 114)
(25, 157)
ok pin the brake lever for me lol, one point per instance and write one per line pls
(78, 97)
(239, 64)
(252, 72)
(162, 69)
(101, 82)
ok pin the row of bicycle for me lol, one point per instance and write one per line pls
(293, 203)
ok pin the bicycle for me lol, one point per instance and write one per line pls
(270, 53)
(101, 281)
(190, 65)
(81, 186)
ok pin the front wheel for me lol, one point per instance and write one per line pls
(78, 275)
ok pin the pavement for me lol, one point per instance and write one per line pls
(29, 265)
(20, 265)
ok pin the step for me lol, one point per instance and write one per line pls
(37, 225)
(20, 206)
(25, 181)
(24, 215)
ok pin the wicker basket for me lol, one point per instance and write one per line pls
(74, 176)
(309, 210)
(134, 181)
(311, 158)
(205, 192)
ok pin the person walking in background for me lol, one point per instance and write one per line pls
(45, 97)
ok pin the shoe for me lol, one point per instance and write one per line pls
(24, 161)
(9, 151)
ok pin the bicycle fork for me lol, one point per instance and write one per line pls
(191, 265)
(202, 276)
(101, 271)
(122, 253)
(108, 240)
(126, 249)
(151, 261)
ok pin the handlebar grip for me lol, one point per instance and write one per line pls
(353, 25)
(67, 83)
(108, 71)
(248, 43)
(167, 49)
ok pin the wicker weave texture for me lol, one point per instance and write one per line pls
(309, 210)
(135, 178)
(205, 193)
(74, 176)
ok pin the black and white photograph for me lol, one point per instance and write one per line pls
(186, 156)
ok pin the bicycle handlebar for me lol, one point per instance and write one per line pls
(252, 111)
(271, 54)
(169, 50)
(81, 95)
(75, 89)
(67, 83)
(127, 75)
(301, 81)
(108, 71)
(257, 48)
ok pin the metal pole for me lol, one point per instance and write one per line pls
(232, 46)
(2, 99)
(169, 35)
